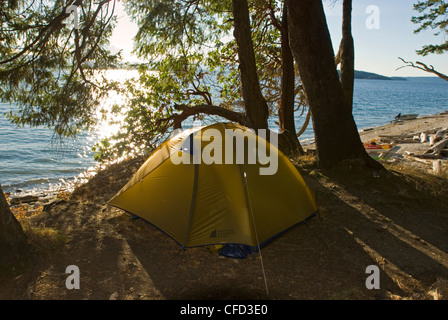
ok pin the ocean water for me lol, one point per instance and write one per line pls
(32, 160)
(377, 102)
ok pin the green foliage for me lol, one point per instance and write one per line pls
(51, 70)
(53, 73)
(177, 26)
(434, 15)
(193, 61)
(182, 42)
(146, 113)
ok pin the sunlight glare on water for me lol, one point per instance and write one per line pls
(109, 123)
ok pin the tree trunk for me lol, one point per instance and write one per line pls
(255, 104)
(336, 135)
(347, 54)
(287, 98)
(12, 238)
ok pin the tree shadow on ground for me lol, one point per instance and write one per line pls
(397, 218)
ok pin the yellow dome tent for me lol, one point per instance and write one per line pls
(222, 197)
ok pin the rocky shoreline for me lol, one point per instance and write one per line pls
(32, 204)
(26, 203)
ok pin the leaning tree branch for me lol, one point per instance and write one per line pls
(188, 111)
(424, 67)
(305, 124)
(274, 19)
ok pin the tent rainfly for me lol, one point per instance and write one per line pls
(211, 185)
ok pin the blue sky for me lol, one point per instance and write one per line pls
(376, 50)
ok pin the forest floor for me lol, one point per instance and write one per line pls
(395, 219)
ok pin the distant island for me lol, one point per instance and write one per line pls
(373, 76)
(358, 74)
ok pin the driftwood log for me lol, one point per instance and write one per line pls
(436, 148)
(397, 138)
(440, 134)
(423, 136)
(435, 151)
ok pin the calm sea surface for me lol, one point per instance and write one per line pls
(32, 161)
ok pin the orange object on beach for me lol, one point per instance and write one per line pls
(372, 145)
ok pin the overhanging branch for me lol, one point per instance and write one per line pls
(188, 111)
(424, 67)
